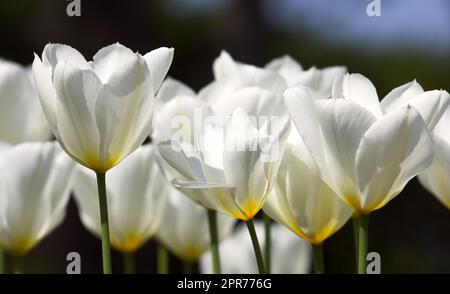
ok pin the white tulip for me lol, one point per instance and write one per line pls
(21, 116)
(100, 111)
(366, 156)
(290, 254)
(436, 177)
(233, 168)
(35, 186)
(301, 200)
(136, 191)
(320, 80)
(184, 229)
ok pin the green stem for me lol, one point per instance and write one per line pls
(188, 267)
(267, 242)
(256, 247)
(362, 242)
(2, 262)
(129, 263)
(18, 264)
(163, 260)
(355, 222)
(212, 223)
(319, 267)
(106, 248)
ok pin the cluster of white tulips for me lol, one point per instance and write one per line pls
(310, 148)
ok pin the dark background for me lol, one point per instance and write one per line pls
(410, 40)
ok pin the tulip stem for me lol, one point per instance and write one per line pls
(163, 259)
(267, 242)
(188, 267)
(355, 222)
(256, 247)
(18, 264)
(212, 223)
(362, 242)
(319, 267)
(106, 248)
(2, 262)
(129, 263)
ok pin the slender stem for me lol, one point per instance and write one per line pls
(362, 242)
(163, 259)
(267, 242)
(188, 267)
(319, 267)
(18, 264)
(2, 262)
(355, 222)
(212, 223)
(256, 247)
(129, 263)
(106, 248)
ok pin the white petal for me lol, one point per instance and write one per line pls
(77, 91)
(393, 151)
(172, 88)
(159, 61)
(435, 177)
(56, 53)
(431, 106)
(286, 66)
(400, 96)
(359, 89)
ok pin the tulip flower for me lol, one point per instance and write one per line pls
(21, 116)
(137, 193)
(436, 177)
(365, 154)
(35, 182)
(290, 255)
(184, 229)
(320, 80)
(232, 170)
(303, 202)
(99, 111)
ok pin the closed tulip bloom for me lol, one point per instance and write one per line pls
(366, 156)
(35, 182)
(136, 191)
(21, 116)
(100, 111)
(290, 254)
(184, 229)
(301, 200)
(436, 177)
(228, 171)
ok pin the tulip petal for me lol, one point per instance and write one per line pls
(172, 88)
(431, 106)
(359, 89)
(159, 61)
(393, 151)
(77, 90)
(400, 96)
(56, 53)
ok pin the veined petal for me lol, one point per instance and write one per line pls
(359, 89)
(77, 90)
(159, 61)
(56, 53)
(394, 150)
(400, 96)
(435, 177)
(431, 106)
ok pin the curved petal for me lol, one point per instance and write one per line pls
(359, 89)
(159, 61)
(400, 96)
(431, 106)
(56, 53)
(77, 90)
(286, 66)
(393, 151)
(172, 88)
(435, 177)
